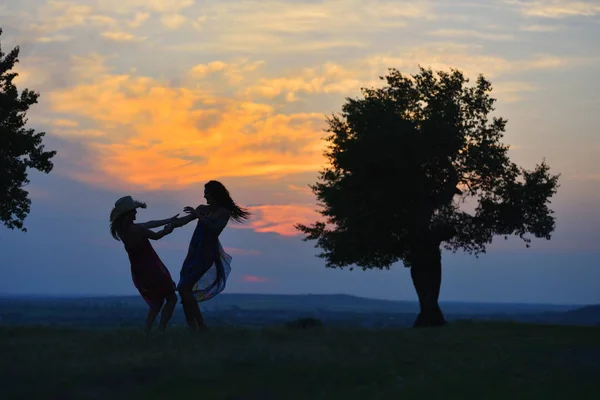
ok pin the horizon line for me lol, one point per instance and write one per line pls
(96, 296)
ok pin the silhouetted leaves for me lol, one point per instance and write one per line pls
(20, 148)
(400, 155)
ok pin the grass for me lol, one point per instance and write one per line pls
(461, 361)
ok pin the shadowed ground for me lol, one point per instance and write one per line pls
(461, 361)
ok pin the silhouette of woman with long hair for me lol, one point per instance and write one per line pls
(150, 276)
(206, 267)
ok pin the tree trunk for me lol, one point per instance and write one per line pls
(426, 274)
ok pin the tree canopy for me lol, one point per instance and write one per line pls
(21, 148)
(405, 156)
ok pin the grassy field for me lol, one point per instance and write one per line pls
(461, 361)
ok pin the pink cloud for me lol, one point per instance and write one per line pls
(281, 218)
(245, 252)
(254, 279)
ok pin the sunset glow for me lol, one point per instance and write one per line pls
(156, 97)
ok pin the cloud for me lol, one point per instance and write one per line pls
(55, 16)
(66, 123)
(329, 78)
(110, 18)
(252, 43)
(173, 21)
(471, 34)
(231, 118)
(293, 17)
(138, 19)
(234, 115)
(557, 8)
(511, 92)
(231, 25)
(292, 27)
(301, 190)
(254, 279)
(332, 78)
(157, 136)
(541, 28)
(120, 36)
(53, 38)
(281, 218)
(465, 57)
(232, 73)
(155, 6)
(128, 7)
(245, 252)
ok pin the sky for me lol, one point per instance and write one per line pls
(153, 98)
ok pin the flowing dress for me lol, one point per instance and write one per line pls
(206, 266)
(150, 276)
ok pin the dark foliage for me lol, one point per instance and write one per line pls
(396, 158)
(20, 148)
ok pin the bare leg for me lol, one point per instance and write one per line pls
(191, 309)
(152, 313)
(185, 303)
(167, 312)
(198, 315)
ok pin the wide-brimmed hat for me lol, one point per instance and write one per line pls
(123, 205)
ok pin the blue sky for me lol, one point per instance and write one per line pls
(153, 98)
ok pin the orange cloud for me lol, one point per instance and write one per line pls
(158, 136)
(223, 118)
(254, 279)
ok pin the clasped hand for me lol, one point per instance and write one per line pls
(199, 211)
(169, 227)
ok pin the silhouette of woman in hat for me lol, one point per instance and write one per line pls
(150, 276)
(206, 267)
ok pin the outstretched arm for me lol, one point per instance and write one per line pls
(193, 213)
(184, 220)
(147, 233)
(160, 222)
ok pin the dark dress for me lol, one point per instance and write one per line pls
(150, 276)
(206, 266)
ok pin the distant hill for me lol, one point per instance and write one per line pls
(302, 303)
(349, 303)
(589, 314)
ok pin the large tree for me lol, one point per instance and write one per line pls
(403, 160)
(20, 148)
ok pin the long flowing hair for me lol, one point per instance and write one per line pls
(117, 226)
(223, 198)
